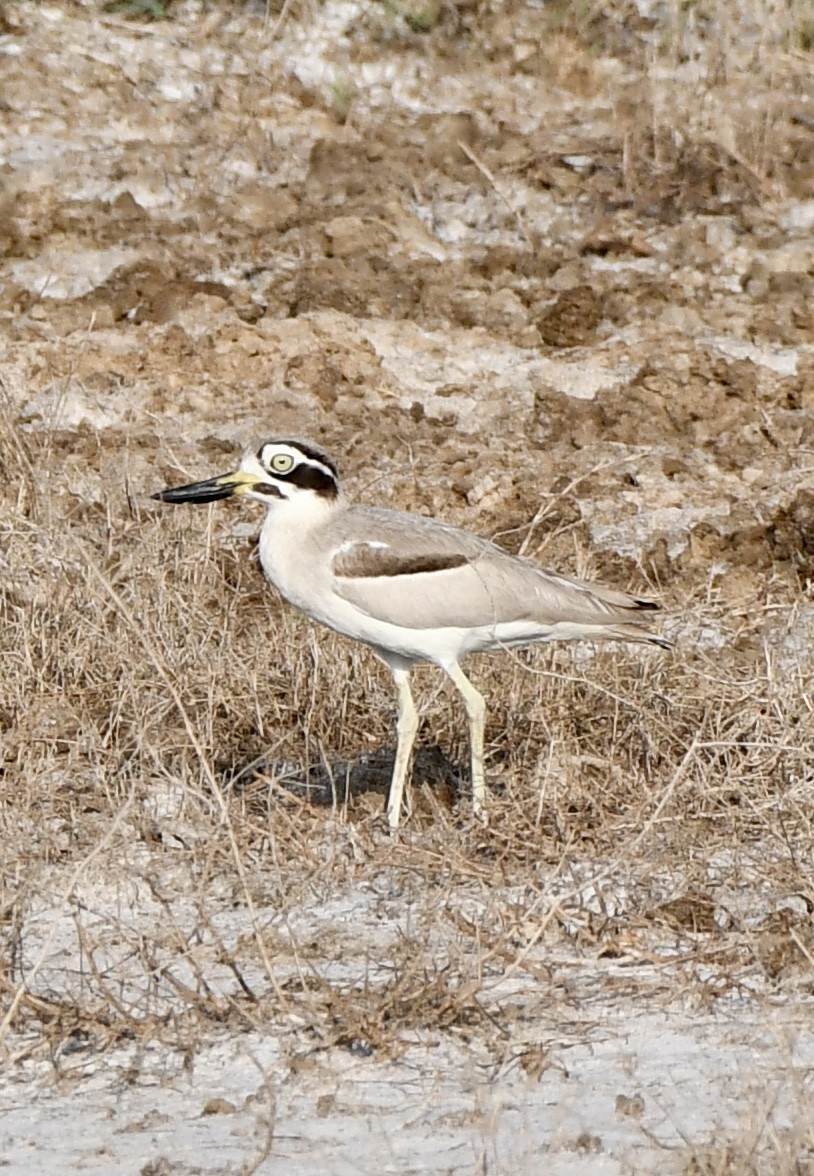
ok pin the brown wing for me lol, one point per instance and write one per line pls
(422, 574)
(361, 561)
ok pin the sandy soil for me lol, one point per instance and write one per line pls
(544, 270)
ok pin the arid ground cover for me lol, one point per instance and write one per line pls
(543, 269)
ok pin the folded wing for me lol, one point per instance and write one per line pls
(434, 576)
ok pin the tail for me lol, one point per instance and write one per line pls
(592, 612)
(629, 630)
(632, 631)
(622, 605)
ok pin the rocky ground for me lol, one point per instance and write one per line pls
(545, 270)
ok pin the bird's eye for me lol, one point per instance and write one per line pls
(281, 463)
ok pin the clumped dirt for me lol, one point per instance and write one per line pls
(545, 271)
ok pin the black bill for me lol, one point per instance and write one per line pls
(212, 490)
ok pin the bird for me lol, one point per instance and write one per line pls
(415, 589)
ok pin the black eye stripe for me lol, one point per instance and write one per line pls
(308, 451)
(311, 470)
(311, 477)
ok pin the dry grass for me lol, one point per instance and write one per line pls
(708, 99)
(150, 661)
(651, 832)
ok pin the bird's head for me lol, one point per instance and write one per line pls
(280, 470)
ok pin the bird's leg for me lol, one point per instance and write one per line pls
(406, 727)
(475, 712)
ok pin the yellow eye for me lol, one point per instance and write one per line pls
(281, 463)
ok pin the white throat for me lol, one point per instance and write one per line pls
(298, 514)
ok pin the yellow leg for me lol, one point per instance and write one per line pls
(406, 727)
(476, 713)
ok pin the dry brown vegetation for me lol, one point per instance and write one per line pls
(193, 776)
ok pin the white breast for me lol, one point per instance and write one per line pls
(297, 561)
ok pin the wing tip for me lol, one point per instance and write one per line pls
(646, 605)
